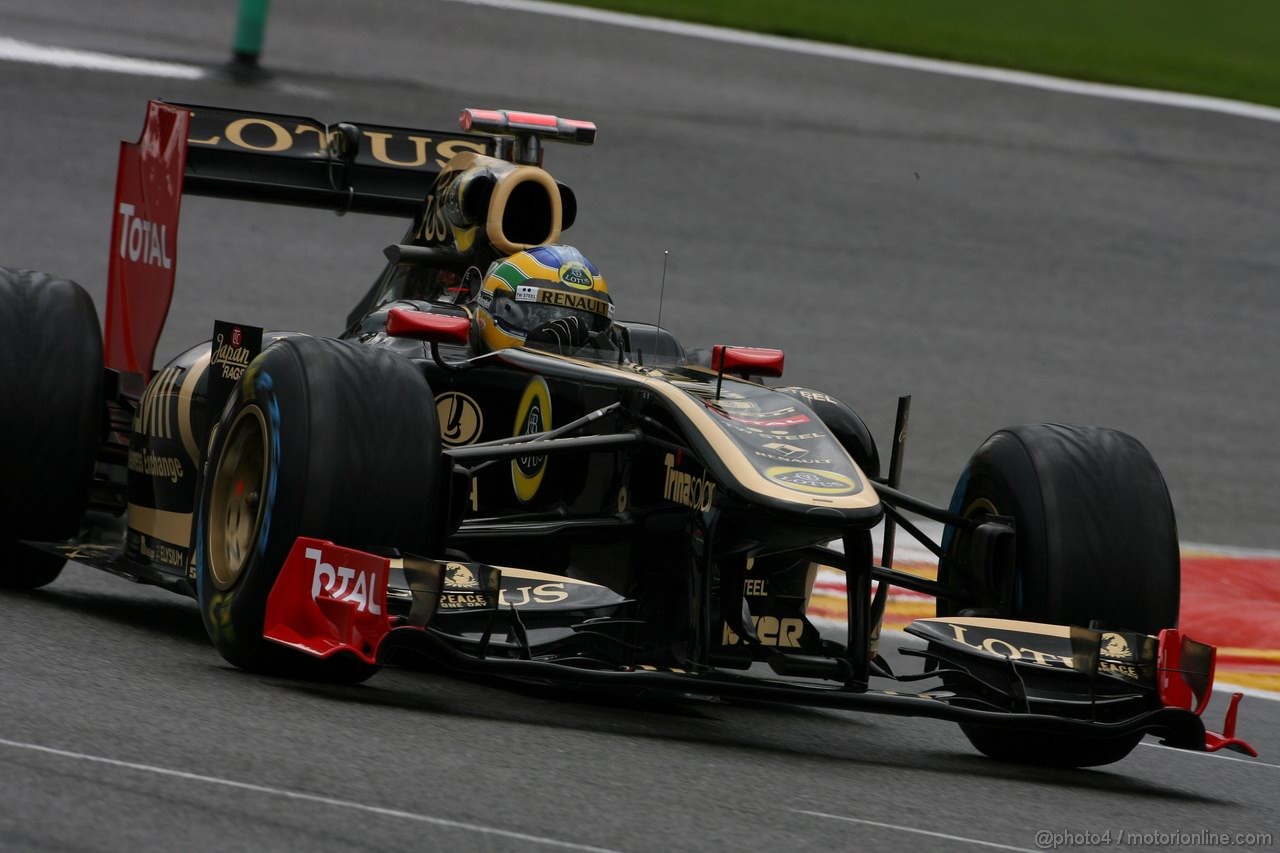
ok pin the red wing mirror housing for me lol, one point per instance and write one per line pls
(433, 328)
(755, 361)
(535, 124)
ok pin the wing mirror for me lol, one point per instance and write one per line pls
(432, 328)
(744, 361)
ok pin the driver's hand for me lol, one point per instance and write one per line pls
(564, 333)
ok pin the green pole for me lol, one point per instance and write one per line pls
(251, 23)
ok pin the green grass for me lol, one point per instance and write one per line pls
(1228, 48)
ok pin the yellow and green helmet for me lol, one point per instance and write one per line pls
(547, 295)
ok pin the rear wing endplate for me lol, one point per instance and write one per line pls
(195, 150)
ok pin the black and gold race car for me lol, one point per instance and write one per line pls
(487, 468)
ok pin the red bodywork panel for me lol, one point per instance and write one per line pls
(1184, 677)
(756, 361)
(328, 599)
(423, 326)
(537, 124)
(144, 239)
(247, 156)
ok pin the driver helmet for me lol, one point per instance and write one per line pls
(549, 295)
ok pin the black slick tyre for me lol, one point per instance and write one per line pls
(51, 423)
(320, 438)
(1096, 540)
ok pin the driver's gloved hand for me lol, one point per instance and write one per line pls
(566, 334)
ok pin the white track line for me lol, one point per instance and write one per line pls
(1216, 756)
(310, 798)
(20, 51)
(893, 60)
(913, 830)
(1255, 692)
(65, 57)
(1200, 548)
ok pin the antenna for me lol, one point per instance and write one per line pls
(666, 253)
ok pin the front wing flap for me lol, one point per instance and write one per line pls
(1102, 675)
(328, 599)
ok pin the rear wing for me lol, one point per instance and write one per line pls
(195, 150)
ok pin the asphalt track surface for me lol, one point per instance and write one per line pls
(1003, 254)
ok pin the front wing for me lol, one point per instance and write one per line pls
(330, 600)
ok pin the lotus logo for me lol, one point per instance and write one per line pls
(456, 574)
(533, 415)
(814, 482)
(576, 275)
(529, 465)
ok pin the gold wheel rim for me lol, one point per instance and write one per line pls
(977, 509)
(980, 508)
(235, 506)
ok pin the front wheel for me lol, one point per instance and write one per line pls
(1096, 541)
(320, 438)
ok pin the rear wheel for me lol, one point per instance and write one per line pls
(321, 438)
(1095, 540)
(50, 424)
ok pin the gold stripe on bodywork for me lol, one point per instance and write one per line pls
(522, 574)
(1004, 625)
(732, 456)
(157, 411)
(165, 427)
(528, 575)
(171, 527)
(727, 449)
(185, 393)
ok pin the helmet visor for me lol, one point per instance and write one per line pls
(534, 306)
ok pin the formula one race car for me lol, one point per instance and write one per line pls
(488, 469)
